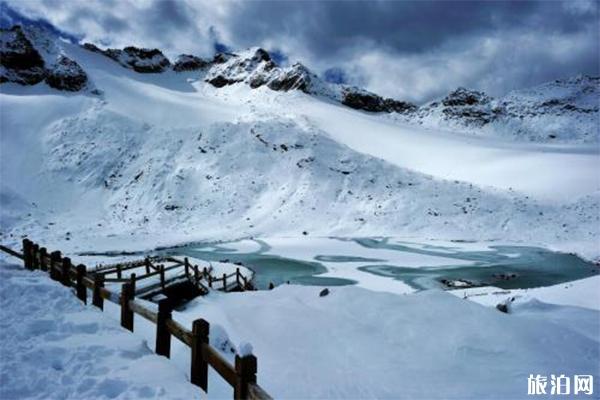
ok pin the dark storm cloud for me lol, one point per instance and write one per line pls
(404, 27)
(419, 50)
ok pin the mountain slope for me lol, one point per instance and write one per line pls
(148, 159)
(565, 111)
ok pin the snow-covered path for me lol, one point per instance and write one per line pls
(54, 347)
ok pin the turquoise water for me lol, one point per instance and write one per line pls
(506, 267)
(268, 268)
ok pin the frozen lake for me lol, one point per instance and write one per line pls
(392, 265)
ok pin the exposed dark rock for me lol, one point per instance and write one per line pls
(324, 292)
(187, 62)
(146, 60)
(220, 81)
(367, 101)
(92, 47)
(465, 97)
(502, 308)
(298, 77)
(66, 75)
(22, 63)
(469, 106)
(221, 58)
(140, 60)
(399, 106)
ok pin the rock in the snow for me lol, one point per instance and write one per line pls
(297, 77)
(66, 74)
(363, 100)
(256, 68)
(470, 106)
(220, 81)
(465, 97)
(399, 106)
(21, 62)
(187, 62)
(324, 292)
(140, 60)
(145, 60)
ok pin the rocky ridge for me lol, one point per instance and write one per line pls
(562, 110)
(27, 60)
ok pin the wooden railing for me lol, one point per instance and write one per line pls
(202, 278)
(241, 376)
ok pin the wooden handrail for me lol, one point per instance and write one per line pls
(11, 252)
(179, 332)
(139, 309)
(242, 375)
(220, 364)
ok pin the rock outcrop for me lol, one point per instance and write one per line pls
(138, 59)
(187, 62)
(22, 63)
(362, 100)
(67, 75)
(564, 110)
(472, 106)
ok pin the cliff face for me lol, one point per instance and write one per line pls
(26, 64)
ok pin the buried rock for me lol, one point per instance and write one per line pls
(505, 305)
(324, 292)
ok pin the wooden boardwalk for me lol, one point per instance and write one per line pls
(153, 276)
(100, 283)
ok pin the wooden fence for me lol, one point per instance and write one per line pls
(157, 267)
(241, 376)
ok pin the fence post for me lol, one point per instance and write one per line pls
(210, 281)
(119, 271)
(35, 254)
(43, 255)
(127, 294)
(147, 264)
(55, 258)
(237, 276)
(97, 299)
(163, 336)
(245, 368)
(65, 275)
(80, 286)
(224, 282)
(199, 365)
(27, 253)
(162, 276)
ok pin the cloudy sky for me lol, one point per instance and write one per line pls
(411, 50)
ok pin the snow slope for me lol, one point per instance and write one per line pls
(156, 159)
(53, 347)
(562, 111)
(355, 343)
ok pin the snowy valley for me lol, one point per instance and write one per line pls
(111, 151)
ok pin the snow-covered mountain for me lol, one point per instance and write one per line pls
(561, 111)
(565, 110)
(146, 152)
